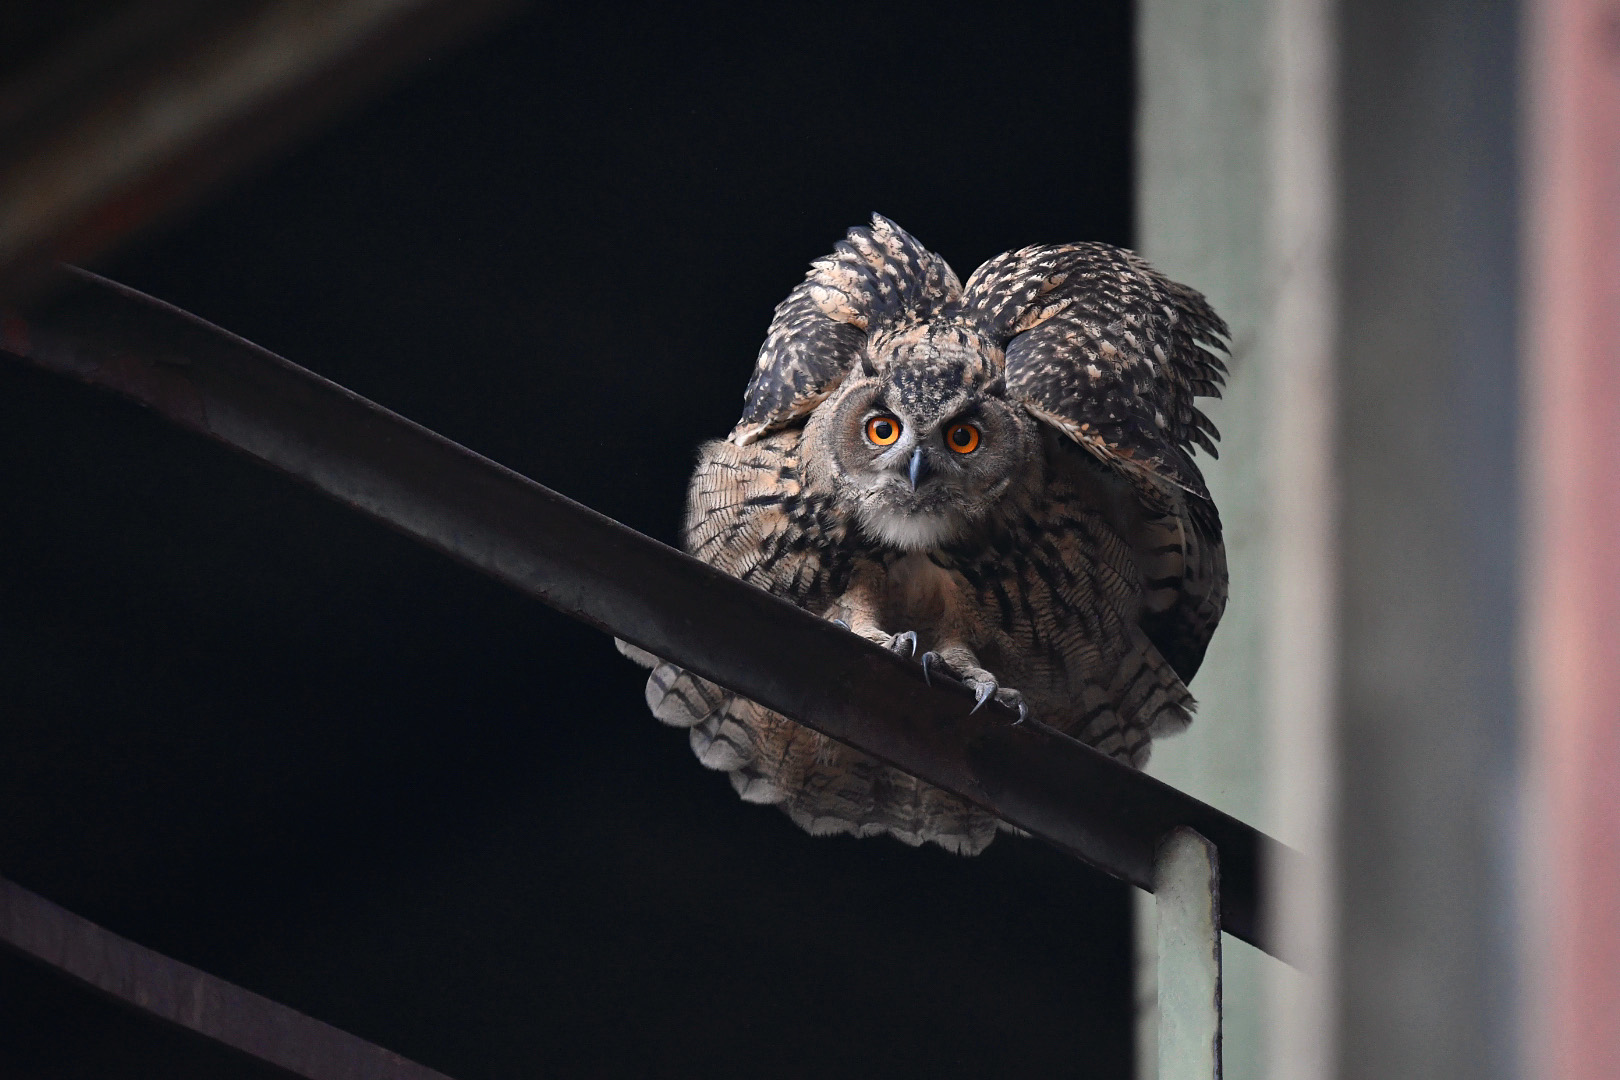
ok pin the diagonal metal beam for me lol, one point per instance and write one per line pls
(179, 994)
(604, 574)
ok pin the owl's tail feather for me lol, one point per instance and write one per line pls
(825, 787)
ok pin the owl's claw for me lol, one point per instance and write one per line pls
(840, 622)
(981, 694)
(905, 640)
(984, 691)
(981, 682)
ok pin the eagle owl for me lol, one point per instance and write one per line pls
(996, 478)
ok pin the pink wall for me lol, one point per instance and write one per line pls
(1573, 480)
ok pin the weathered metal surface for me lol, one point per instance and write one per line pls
(611, 577)
(181, 995)
(1187, 899)
(139, 111)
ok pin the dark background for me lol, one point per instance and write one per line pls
(253, 731)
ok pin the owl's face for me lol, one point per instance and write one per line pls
(920, 455)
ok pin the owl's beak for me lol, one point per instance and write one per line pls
(919, 468)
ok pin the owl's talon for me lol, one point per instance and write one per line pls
(1016, 700)
(981, 694)
(840, 622)
(909, 638)
(984, 690)
(981, 682)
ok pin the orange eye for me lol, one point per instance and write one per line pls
(963, 438)
(883, 430)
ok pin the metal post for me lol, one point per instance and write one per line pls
(1187, 894)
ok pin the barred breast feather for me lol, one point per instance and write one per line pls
(748, 515)
(1060, 595)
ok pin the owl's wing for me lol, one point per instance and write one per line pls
(877, 278)
(1183, 565)
(1108, 350)
(1112, 353)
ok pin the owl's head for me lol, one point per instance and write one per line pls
(921, 448)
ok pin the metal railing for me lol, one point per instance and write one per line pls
(179, 994)
(1206, 868)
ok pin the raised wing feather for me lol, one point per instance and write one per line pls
(1107, 349)
(878, 278)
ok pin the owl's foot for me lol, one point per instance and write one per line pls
(1006, 696)
(904, 644)
(981, 682)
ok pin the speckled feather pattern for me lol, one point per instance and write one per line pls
(1092, 586)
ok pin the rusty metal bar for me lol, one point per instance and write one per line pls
(139, 112)
(606, 575)
(181, 995)
(1187, 902)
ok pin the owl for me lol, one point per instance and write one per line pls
(995, 478)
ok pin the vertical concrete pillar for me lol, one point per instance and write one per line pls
(1427, 449)
(1342, 180)
(1234, 197)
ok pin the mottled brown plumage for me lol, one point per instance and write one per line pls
(998, 475)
